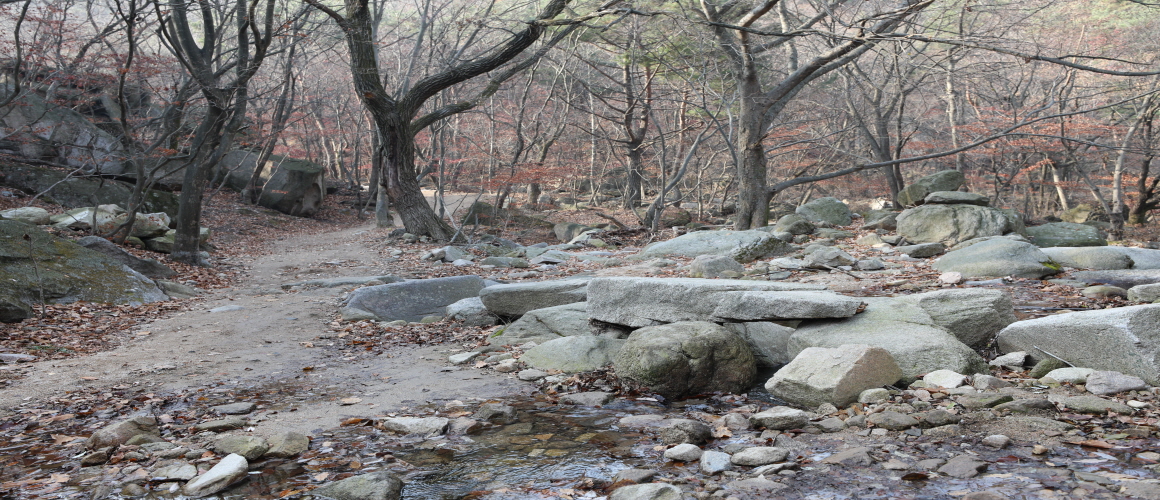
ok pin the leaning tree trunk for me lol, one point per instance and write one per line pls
(399, 180)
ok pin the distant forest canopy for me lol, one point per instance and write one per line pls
(1043, 104)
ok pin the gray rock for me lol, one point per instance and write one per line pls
(832, 424)
(413, 300)
(1127, 279)
(287, 444)
(780, 418)
(851, 457)
(997, 441)
(356, 314)
(906, 331)
(633, 476)
(1142, 258)
(532, 375)
(951, 224)
(1010, 361)
(873, 264)
(794, 224)
(296, 187)
(1065, 234)
(250, 447)
(944, 378)
(1103, 383)
(892, 420)
(837, 376)
(963, 467)
(650, 491)
(987, 382)
(881, 220)
(680, 431)
(231, 469)
(118, 433)
(1070, 375)
(715, 462)
(219, 425)
(345, 281)
(573, 354)
(566, 231)
(1125, 339)
(917, 191)
(687, 358)
(759, 455)
(1101, 258)
(447, 254)
(426, 426)
(177, 290)
(983, 400)
(496, 413)
(637, 302)
(829, 209)
(686, 452)
(768, 341)
(742, 246)
(518, 298)
(957, 197)
(514, 262)
(715, 266)
(768, 306)
(998, 257)
(183, 471)
(1144, 293)
(74, 191)
(974, 316)
(592, 398)
(29, 215)
(1103, 292)
(828, 257)
(939, 418)
(542, 325)
(380, 485)
(922, 250)
(471, 312)
(235, 408)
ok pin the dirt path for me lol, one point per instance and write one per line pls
(262, 341)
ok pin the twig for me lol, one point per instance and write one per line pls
(602, 215)
(1052, 355)
(840, 271)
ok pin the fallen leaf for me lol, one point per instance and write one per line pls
(62, 439)
(307, 368)
(89, 378)
(59, 478)
(321, 476)
(722, 432)
(1093, 443)
(915, 476)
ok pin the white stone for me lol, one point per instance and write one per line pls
(1013, 361)
(945, 378)
(1070, 375)
(231, 469)
(685, 452)
(427, 426)
(837, 376)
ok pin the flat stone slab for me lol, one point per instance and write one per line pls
(763, 306)
(413, 300)
(1126, 278)
(640, 302)
(345, 281)
(518, 298)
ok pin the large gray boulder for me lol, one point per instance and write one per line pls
(148, 267)
(1065, 234)
(1124, 339)
(956, 198)
(1125, 279)
(413, 300)
(518, 298)
(951, 224)
(972, 315)
(767, 340)
(742, 246)
(715, 266)
(917, 343)
(47, 131)
(1142, 258)
(64, 272)
(566, 231)
(80, 191)
(542, 325)
(794, 224)
(998, 257)
(917, 191)
(828, 209)
(29, 215)
(769, 306)
(380, 485)
(637, 302)
(687, 358)
(1101, 258)
(296, 188)
(833, 375)
(1145, 293)
(578, 353)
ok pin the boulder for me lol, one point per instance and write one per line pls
(828, 257)
(118, 433)
(296, 188)
(413, 300)
(1102, 383)
(287, 444)
(1101, 258)
(1126, 279)
(687, 358)
(715, 266)
(951, 224)
(250, 447)
(1142, 258)
(833, 375)
(237, 167)
(86, 218)
(29, 215)
(1082, 213)
(742, 246)
(637, 302)
(148, 267)
(144, 225)
(425, 426)
(972, 315)
(768, 341)
(921, 250)
(381, 485)
(648, 491)
(578, 353)
(80, 191)
(64, 272)
(881, 219)
(542, 325)
(828, 209)
(51, 132)
(566, 231)
(471, 312)
(956, 198)
(231, 469)
(517, 299)
(917, 191)
(768, 306)
(780, 418)
(998, 257)
(1065, 234)
(917, 343)
(1144, 293)
(1124, 339)
(794, 224)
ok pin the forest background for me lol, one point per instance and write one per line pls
(719, 106)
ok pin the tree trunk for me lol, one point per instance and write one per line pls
(752, 181)
(399, 180)
(185, 243)
(634, 178)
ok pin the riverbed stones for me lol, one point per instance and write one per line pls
(759, 455)
(638, 302)
(892, 420)
(998, 257)
(590, 398)
(1095, 405)
(828, 209)
(426, 426)
(1125, 278)
(648, 491)
(1125, 339)
(1144, 293)
(974, 316)
(771, 306)
(250, 447)
(229, 470)
(833, 375)
(780, 418)
(1065, 234)
(680, 431)
(686, 358)
(118, 433)
(29, 215)
(828, 257)
(715, 462)
(241, 408)
(416, 299)
(381, 485)
(742, 246)
(921, 250)
(945, 378)
(952, 224)
(578, 353)
(542, 325)
(287, 444)
(1103, 383)
(794, 224)
(1070, 375)
(715, 266)
(963, 467)
(685, 452)
(1101, 258)
(917, 191)
(471, 312)
(859, 456)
